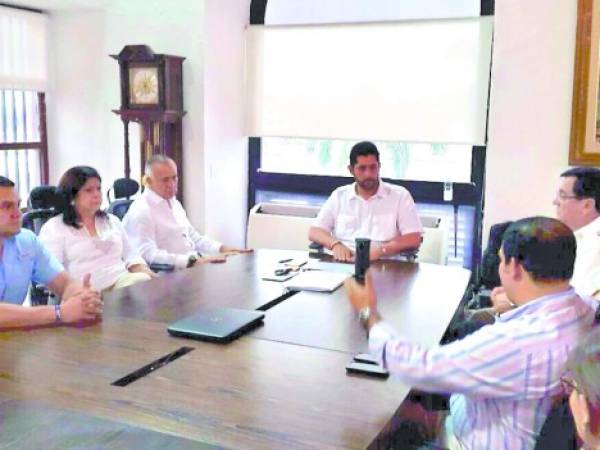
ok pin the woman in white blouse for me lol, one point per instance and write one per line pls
(86, 239)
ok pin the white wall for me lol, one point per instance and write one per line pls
(225, 145)
(530, 107)
(530, 101)
(84, 86)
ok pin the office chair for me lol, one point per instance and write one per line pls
(43, 204)
(558, 431)
(122, 189)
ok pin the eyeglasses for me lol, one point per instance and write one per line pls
(560, 195)
(567, 385)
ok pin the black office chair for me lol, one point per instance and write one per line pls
(122, 189)
(44, 203)
(558, 431)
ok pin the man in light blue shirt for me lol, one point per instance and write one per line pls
(504, 376)
(24, 259)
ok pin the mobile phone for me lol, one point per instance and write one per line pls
(367, 369)
(366, 358)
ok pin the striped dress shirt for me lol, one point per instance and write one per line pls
(502, 377)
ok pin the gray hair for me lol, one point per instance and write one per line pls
(584, 366)
(156, 159)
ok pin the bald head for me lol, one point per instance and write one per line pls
(161, 176)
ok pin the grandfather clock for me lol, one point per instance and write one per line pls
(152, 95)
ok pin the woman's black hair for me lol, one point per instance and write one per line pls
(70, 184)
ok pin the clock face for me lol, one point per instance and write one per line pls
(143, 85)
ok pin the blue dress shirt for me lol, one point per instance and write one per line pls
(24, 259)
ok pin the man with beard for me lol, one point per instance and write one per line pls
(368, 208)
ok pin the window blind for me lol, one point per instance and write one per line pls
(411, 81)
(23, 50)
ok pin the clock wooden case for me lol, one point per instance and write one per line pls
(152, 95)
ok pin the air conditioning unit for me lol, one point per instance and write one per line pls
(434, 247)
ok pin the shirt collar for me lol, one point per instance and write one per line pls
(382, 191)
(534, 305)
(592, 229)
(154, 197)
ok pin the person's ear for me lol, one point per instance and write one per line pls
(515, 269)
(589, 204)
(351, 169)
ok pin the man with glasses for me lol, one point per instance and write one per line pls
(24, 259)
(577, 204)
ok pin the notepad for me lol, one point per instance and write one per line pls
(316, 280)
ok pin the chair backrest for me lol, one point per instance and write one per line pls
(558, 431)
(268, 229)
(490, 260)
(122, 188)
(33, 220)
(119, 207)
(43, 204)
(434, 247)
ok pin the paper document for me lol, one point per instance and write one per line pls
(316, 280)
(315, 264)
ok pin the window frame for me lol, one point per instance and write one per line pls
(41, 145)
(464, 194)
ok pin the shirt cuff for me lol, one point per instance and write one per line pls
(135, 261)
(215, 247)
(379, 335)
(181, 261)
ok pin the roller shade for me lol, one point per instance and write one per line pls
(23, 50)
(412, 81)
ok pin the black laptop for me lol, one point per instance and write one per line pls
(217, 325)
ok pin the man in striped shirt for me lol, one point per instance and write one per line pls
(504, 376)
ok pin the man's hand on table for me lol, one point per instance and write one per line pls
(342, 253)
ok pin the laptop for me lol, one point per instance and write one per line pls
(217, 325)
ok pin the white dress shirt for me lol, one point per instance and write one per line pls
(162, 233)
(106, 256)
(503, 377)
(391, 211)
(586, 274)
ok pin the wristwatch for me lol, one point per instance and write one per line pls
(192, 260)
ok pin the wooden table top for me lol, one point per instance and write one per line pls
(251, 393)
(282, 386)
(419, 300)
(236, 283)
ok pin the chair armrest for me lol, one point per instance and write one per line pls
(39, 294)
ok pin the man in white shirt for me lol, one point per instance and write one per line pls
(577, 204)
(368, 208)
(159, 228)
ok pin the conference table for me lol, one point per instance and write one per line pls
(282, 385)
